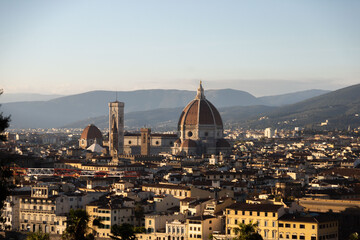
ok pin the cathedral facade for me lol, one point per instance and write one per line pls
(200, 129)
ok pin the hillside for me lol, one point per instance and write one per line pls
(291, 98)
(26, 97)
(339, 107)
(161, 109)
(166, 119)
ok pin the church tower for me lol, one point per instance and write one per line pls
(116, 128)
(145, 141)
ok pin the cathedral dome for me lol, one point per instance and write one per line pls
(200, 128)
(91, 132)
(200, 111)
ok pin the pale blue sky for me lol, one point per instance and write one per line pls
(261, 46)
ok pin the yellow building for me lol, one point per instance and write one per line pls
(308, 227)
(177, 191)
(266, 215)
(109, 216)
(41, 211)
(201, 227)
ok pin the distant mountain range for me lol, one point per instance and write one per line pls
(26, 97)
(160, 109)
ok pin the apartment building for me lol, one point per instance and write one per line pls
(201, 227)
(308, 227)
(265, 215)
(110, 212)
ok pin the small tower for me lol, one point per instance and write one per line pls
(145, 141)
(116, 128)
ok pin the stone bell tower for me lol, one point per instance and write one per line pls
(116, 128)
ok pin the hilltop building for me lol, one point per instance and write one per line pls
(200, 128)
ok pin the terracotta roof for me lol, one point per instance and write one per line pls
(91, 132)
(200, 111)
(188, 143)
(222, 143)
(166, 186)
(255, 207)
(308, 218)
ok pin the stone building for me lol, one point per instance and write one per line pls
(116, 128)
(155, 143)
(200, 128)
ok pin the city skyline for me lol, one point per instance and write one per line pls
(262, 47)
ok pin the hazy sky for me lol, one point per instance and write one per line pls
(261, 46)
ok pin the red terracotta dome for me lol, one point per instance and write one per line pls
(91, 132)
(188, 143)
(200, 111)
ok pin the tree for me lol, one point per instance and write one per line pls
(77, 226)
(247, 232)
(38, 236)
(122, 232)
(5, 173)
(354, 236)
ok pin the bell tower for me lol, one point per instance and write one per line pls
(116, 128)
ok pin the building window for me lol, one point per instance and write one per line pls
(287, 225)
(302, 237)
(189, 133)
(281, 225)
(302, 226)
(293, 236)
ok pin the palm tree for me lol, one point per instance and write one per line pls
(38, 236)
(247, 232)
(77, 226)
